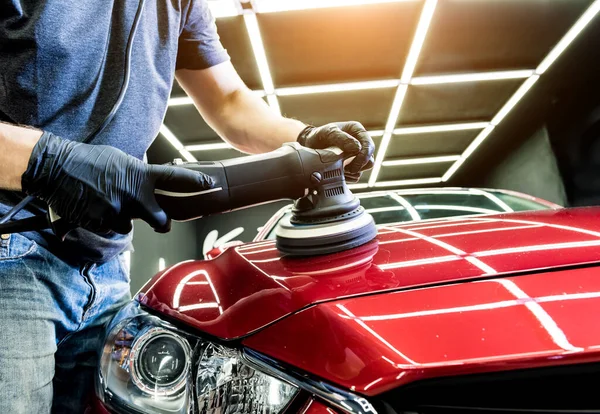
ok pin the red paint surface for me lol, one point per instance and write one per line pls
(249, 287)
(97, 408)
(375, 343)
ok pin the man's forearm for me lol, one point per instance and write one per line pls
(16, 145)
(252, 126)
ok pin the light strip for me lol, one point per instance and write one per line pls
(223, 8)
(470, 149)
(387, 135)
(337, 87)
(259, 52)
(418, 41)
(407, 72)
(472, 77)
(270, 6)
(514, 100)
(208, 147)
(166, 132)
(554, 54)
(571, 35)
(440, 128)
(418, 161)
(274, 103)
(358, 186)
(180, 100)
(415, 181)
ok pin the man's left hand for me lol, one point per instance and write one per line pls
(351, 137)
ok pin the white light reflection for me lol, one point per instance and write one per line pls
(184, 282)
(208, 305)
(493, 198)
(540, 247)
(476, 262)
(414, 214)
(369, 385)
(457, 208)
(375, 334)
(557, 335)
(419, 262)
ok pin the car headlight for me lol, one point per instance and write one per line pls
(150, 366)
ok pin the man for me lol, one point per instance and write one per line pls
(61, 69)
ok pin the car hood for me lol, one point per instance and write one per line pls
(252, 286)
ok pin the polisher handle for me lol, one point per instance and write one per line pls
(286, 173)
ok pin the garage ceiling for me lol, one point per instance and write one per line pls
(429, 79)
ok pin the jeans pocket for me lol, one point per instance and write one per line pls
(15, 246)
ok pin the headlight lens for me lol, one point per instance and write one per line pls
(225, 384)
(147, 367)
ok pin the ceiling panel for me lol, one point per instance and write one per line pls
(404, 172)
(339, 44)
(369, 107)
(187, 124)
(424, 145)
(456, 102)
(476, 35)
(161, 151)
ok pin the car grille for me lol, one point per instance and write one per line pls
(567, 389)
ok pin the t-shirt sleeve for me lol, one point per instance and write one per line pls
(199, 44)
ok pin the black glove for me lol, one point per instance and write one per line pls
(100, 188)
(351, 137)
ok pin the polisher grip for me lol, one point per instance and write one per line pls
(242, 182)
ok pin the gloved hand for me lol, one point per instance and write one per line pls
(351, 137)
(100, 188)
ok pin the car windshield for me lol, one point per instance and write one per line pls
(405, 206)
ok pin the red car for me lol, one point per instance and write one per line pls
(463, 304)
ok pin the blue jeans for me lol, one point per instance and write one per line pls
(51, 319)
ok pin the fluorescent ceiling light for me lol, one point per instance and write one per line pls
(274, 103)
(269, 6)
(416, 181)
(571, 35)
(417, 161)
(378, 133)
(471, 77)
(554, 54)
(470, 149)
(339, 87)
(387, 135)
(357, 186)
(223, 8)
(181, 100)
(440, 128)
(419, 39)
(259, 52)
(407, 72)
(208, 147)
(166, 132)
(514, 100)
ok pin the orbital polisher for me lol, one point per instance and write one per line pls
(326, 217)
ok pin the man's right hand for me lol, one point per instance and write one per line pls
(100, 188)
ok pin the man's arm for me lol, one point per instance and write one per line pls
(237, 114)
(16, 145)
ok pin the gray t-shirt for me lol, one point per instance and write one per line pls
(61, 68)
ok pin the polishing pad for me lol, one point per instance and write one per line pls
(311, 239)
